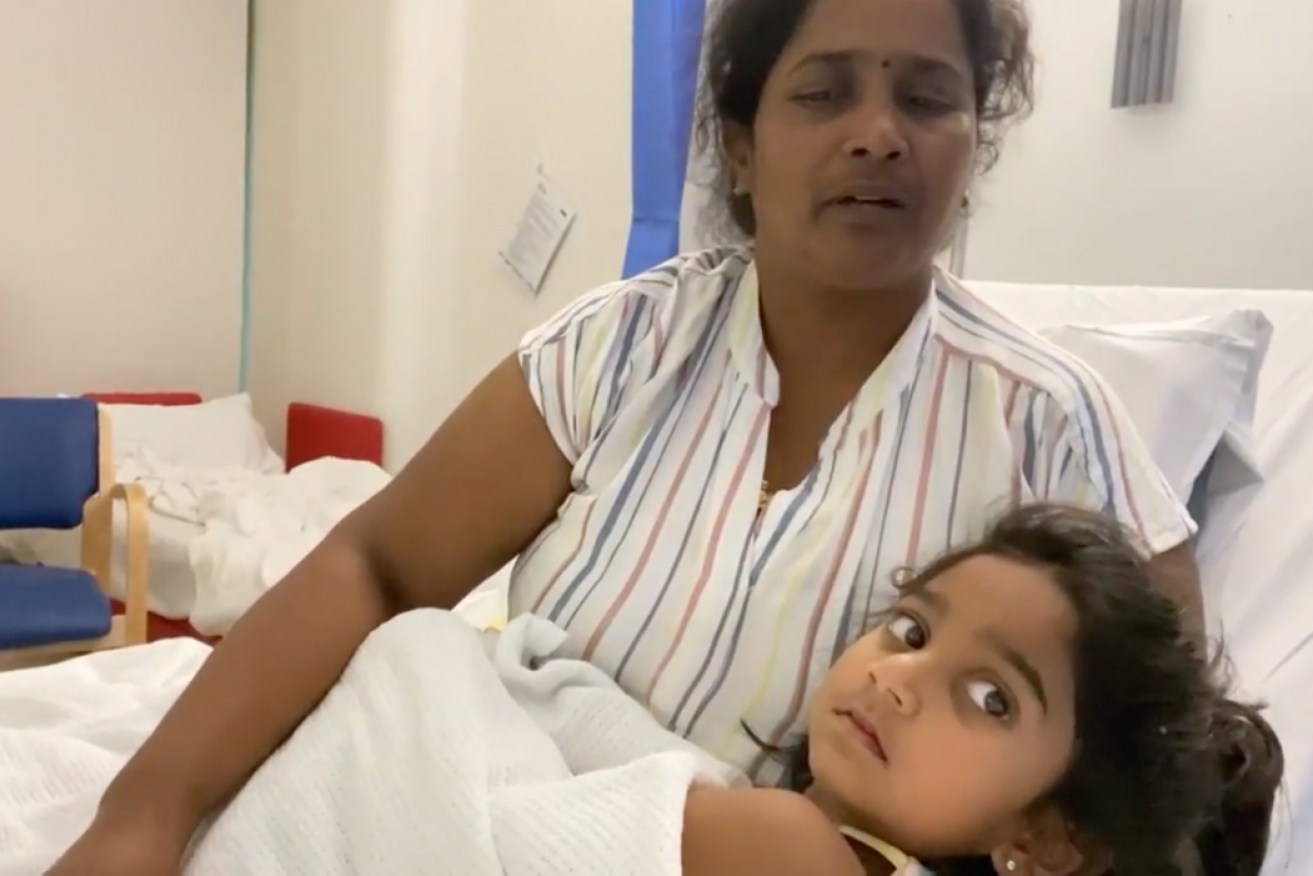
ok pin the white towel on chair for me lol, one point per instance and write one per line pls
(447, 751)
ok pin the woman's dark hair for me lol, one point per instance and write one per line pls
(747, 37)
(1169, 775)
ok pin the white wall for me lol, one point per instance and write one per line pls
(357, 227)
(563, 103)
(320, 104)
(396, 143)
(121, 153)
(1212, 190)
(275, 117)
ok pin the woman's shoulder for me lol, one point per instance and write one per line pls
(603, 353)
(971, 328)
(1076, 440)
(717, 269)
(685, 289)
(763, 831)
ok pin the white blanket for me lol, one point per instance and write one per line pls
(258, 528)
(65, 730)
(441, 750)
(248, 500)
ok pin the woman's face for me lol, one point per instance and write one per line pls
(864, 142)
(940, 730)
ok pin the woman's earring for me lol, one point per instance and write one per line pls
(966, 207)
(1012, 866)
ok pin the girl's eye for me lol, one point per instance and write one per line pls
(908, 630)
(990, 698)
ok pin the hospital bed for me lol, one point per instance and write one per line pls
(228, 515)
(1255, 546)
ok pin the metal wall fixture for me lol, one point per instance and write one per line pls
(1148, 36)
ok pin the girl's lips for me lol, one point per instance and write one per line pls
(866, 730)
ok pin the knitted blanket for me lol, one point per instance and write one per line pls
(447, 751)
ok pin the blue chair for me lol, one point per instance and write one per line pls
(56, 472)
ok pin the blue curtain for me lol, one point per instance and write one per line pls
(667, 49)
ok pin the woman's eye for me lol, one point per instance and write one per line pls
(928, 103)
(990, 698)
(908, 630)
(819, 95)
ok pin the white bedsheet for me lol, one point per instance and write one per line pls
(441, 750)
(1256, 545)
(257, 529)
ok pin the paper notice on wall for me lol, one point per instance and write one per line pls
(538, 236)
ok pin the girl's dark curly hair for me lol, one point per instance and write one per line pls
(1169, 775)
(747, 37)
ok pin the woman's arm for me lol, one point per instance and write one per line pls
(761, 832)
(485, 485)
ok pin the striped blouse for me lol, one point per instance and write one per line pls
(659, 392)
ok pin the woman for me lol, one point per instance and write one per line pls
(709, 471)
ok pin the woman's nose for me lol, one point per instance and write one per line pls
(877, 133)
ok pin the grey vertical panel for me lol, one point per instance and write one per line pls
(1141, 39)
(1121, 82)
(1148, 42)
(1171, 47)
(1157, 48)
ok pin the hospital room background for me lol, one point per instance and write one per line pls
(307, 201)
(395, 143)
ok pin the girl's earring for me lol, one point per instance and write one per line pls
(1012, 865)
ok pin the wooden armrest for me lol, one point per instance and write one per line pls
(98, 550)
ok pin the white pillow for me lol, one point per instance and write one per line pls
(1189, 387)
(215, 434)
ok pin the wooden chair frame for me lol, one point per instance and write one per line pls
(97, 557)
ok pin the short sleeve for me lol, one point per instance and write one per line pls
(1093, 456)
(577, 364)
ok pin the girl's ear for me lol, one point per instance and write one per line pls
(737, 140)
(1049, 847)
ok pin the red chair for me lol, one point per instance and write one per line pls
(56, 472)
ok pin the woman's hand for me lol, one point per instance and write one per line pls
(108, 848)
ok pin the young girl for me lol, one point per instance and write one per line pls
(1029, 706)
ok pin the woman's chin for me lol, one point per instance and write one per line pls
(885, 265)
(885, 277)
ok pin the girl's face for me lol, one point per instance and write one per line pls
(942, 729)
